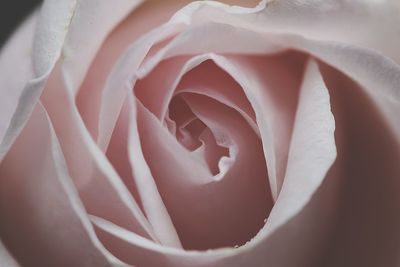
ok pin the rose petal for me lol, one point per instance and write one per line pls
(220, 86)
(38, 209)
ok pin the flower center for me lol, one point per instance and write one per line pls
(193, 134)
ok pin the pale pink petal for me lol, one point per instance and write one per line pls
(210, 80)
(155, 91)
(38, 215)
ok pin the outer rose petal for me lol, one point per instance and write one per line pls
(48, 39)
(41, 220)
(15, 70)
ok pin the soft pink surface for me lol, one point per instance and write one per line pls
(227, 136)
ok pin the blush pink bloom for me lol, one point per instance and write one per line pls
(202, 134)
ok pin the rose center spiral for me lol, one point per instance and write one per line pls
(193, 134)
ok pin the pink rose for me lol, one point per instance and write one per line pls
(177, 134)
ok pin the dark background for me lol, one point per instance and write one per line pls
(12, 13)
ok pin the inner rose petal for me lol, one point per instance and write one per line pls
(209, 214)
(194, 134)
(210, 80)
